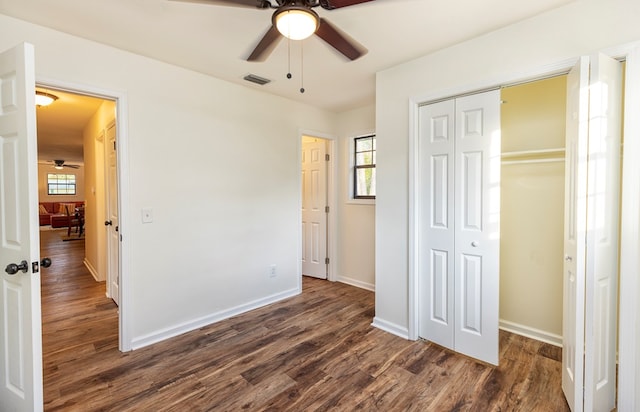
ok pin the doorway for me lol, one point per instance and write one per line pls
(77, 127)
(317, 168)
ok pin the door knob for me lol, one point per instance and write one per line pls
(45, 262)
(474, 244)
(12, 268)
(108, 223)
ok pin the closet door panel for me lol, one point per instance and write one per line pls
(436, 224)
(477, 234)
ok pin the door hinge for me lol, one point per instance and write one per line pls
(326, 261)
(326, 209)
(327, 157)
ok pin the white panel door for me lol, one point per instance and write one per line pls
(459, 237)
(437, 228)
(591, 234)
(21, 340)
(314, 215)
(113, 229)
(603, 194)
(575, 206)
(477, 214)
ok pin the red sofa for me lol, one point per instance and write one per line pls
(50, 214)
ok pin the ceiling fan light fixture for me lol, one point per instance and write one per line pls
(296, 22)
(44, 99)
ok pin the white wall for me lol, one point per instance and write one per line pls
(217, 163)
(356, 221)
(579, 28)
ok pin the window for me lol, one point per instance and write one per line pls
(364, 169)
(61, 184)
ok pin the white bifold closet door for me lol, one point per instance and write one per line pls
(459, 224)
(594, 116)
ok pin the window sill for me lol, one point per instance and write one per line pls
(369, 202)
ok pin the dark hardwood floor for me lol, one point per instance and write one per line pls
(313, 352)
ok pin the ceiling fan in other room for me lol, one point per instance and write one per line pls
(283, 24)
(59, 164)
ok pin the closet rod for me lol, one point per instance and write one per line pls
(533, 152)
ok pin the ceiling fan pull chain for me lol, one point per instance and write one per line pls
(301, 66)
(288, 58)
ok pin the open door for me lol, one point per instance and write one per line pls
(112, 222)
(21, 340)
(594, 116)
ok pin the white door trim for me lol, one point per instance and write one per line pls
(332, 222)
(120, 97)
(629, 338)
(628, 335)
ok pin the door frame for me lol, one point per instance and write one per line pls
(332, 221)
(628, 338)
(124, 322)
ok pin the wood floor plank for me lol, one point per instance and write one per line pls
(313, 352)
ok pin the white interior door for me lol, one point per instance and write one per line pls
(594, 116)
(460, 224)
(113, 234)
(575, 205)
(314, 203)
(603, 207)
(477, 238)
(21, 340)
(437, 223)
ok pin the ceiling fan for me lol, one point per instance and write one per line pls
(282, 24)
(59, 164)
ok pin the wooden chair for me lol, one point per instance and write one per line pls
(75, 220)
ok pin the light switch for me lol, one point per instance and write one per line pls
(147, 215)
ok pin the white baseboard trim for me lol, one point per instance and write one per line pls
(357, 283)
(92, 270)
(392, 328)
(176, 330)
(533, 333)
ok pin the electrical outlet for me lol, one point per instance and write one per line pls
(272, 271)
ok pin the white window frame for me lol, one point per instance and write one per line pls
(75, 184)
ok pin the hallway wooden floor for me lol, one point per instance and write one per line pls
(313, 352)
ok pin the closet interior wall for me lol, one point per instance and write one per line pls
(532, 208)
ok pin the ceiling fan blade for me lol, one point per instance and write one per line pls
(260, 4)
(340, 41)
(336, 4)
(269, 41)
(71, 166)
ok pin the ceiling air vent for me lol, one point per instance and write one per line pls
(256, 79)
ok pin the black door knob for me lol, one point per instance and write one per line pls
(12, 268)
(45, 262)
(108, 223)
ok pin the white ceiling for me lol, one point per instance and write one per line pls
(216, 40)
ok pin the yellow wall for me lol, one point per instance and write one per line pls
(532, 216)
(95, 238)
